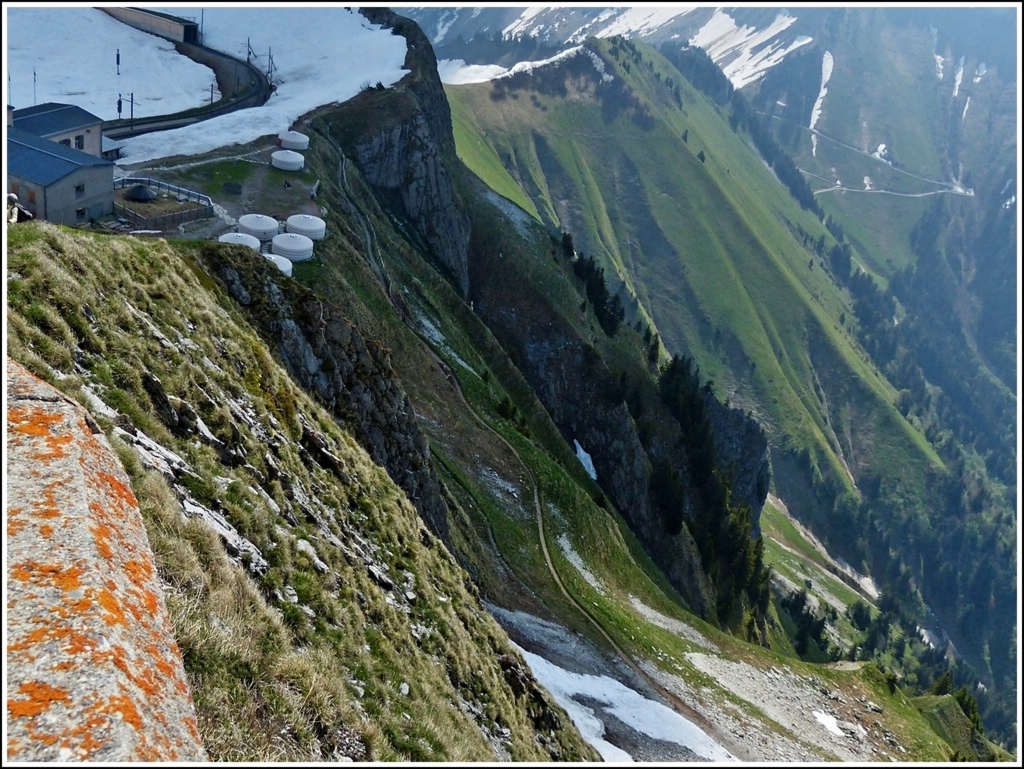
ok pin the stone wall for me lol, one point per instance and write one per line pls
(93, 671)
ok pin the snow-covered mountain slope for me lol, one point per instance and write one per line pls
(745, 42)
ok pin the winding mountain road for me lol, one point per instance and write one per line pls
(241, 84)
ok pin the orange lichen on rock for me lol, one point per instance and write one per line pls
(93, 672)
(39, 696)
(118, 489)
(115, 612)
(38, 423)
(15, 522)
(58, 575)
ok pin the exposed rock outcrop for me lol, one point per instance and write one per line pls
(741, 448)
(93, 671)
(350, 375)
(403, 151)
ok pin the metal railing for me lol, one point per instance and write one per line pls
(163, 221)
(170, 189)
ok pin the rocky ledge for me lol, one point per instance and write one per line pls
(93, 672)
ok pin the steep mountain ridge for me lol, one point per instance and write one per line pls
(336, 589)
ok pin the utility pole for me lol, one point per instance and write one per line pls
(131, 101)
(211, 98)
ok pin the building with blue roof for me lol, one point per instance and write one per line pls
(62, 123)
(56, 182)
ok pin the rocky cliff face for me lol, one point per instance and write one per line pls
(401, 139)
(350, 375)
(742, 450)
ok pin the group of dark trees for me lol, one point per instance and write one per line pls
(688, 485)
(919, 667)
(810, 626)
(959, 553)
(607, 305)
(722, 530)
(495, 48)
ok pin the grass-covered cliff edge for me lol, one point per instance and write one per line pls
(338, 626)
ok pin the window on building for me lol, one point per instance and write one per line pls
(80, 142)
(66, 142)
(31, 196)
(79, 190)
(79, 214)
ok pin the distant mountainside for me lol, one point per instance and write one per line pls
(745, 42)
(612, 144)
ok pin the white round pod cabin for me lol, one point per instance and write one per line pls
(293, 140)
(313, 227)
(260, 226)
(287, 160)
(241, 238)
(282, 263)
(293, 246)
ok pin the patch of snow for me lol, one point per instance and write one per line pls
(882, 154)
(980, 72)
(583, 32)
(963, 117)
(448, 18)
(826, 74)
(629, 706)
(457, 72)
(1012, 199)
(642, 21)
(529, 66)
(585, 460)
(744, 53)
(829, 722)
(688, 632)
(49, 49)
(867, 182)
(521, 25)
(938, 66)
(311, 68)
(574, 558)
(958, 76)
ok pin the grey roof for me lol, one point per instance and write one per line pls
(53, 118)
(44, 162)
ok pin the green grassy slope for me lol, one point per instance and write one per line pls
(344, 670)
(709, 249)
